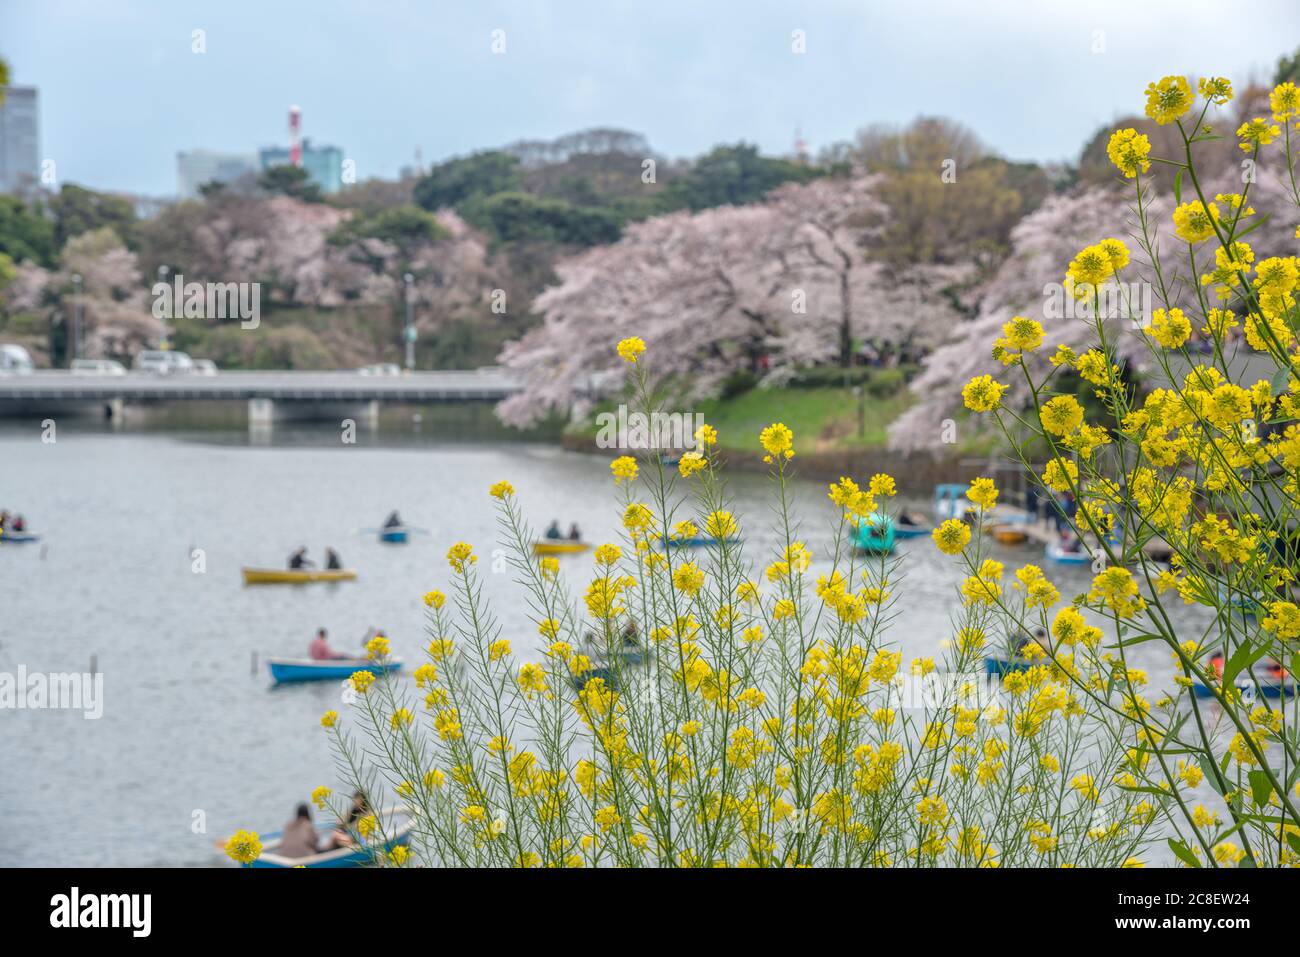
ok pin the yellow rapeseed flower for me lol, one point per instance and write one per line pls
(1168, 99)
(630, 349)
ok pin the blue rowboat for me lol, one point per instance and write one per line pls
(285, 670)
(395, 536)
(1057, 554)
(875, 534)
(606, 675)
(18, 538)
(397, 826)
(911, 531)
(950, 501)
(697, 541)
(1269, 688)
(998, 667)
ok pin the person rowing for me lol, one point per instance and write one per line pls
(299, 559)
(320, 649)
(553, 530)
(332, 559)
(574, 534)
(393, 521)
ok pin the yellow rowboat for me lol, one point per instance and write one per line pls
(560, 547)
(1009, 535)
(296, 576)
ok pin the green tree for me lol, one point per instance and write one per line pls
(521, 217)
(1288, 69)
(26, 233)
(732, 175)
(291, 181)
(456, 181)
(79, 210)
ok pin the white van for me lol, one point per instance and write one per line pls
(97, 367)
(163, 362)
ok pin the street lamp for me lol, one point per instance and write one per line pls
(76, 315)
(163, 272)
(410, 323)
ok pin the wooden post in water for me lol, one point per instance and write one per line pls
(254, 668)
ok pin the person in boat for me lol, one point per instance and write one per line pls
(20, 524)
(1025, 639)
(299, 839)
(910, 518)
(1070, 543)
(320, 649)
(341, 836)
(4, 517)
(393, 521)
(332, 559)
(574, 534)
(299, 559)
(553, 530)
(629, 635)
(1216, 664)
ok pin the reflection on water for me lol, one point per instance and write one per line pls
(191, 736)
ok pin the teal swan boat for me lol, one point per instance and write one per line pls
(875, 534)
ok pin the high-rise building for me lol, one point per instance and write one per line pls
(194, 168)
(20, 165)
(324, 164)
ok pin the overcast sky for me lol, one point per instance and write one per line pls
(121, 92)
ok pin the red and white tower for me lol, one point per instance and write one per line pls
(295, 139)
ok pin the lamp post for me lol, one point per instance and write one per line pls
(76, 316)
(410, 323)
(163, 272)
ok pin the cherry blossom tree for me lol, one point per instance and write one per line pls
(1029, 283)
(767, 287)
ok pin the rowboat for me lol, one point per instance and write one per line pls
(1009, 534)
(285, 670)
(912, 531)
(17, 538)
(1268, 687)
(697, 541)
(875, 534)
(998, 667)
(397, 827)
(560, 546)
(296, 576)
(606, 675)
(396, 535)
(1058, 554)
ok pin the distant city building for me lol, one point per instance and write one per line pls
(20, 165)
(324, 164)
(194, 168)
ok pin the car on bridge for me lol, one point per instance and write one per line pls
(15, 360)
(97, 367)
(163, 362)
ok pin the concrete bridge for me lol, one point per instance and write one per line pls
(271, 396)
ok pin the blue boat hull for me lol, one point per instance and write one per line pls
(875, 535)
(1248, 688)
(395, 536)
(699, 541)
(18, 538)
(910, 531)
(1001, 666)
(285, 672)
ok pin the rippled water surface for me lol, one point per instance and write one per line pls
(194, 742)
